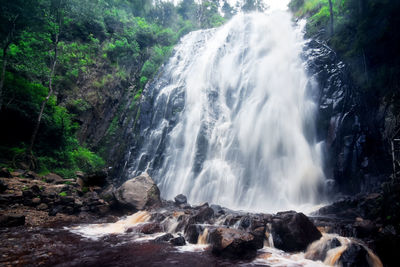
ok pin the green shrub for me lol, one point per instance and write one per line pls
(86, 160)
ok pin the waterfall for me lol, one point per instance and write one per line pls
(229, 119)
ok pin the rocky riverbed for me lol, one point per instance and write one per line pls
(50, 221)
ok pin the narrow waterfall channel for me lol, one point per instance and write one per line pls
(229, 119)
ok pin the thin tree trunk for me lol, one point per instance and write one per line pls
(36, 129)
(331, 12)
(3, 74)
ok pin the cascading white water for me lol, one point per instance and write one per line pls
(244, 136)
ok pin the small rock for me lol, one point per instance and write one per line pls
(150, 228)
(164, 238)
(42, 206)
(178, 241)
(180, 199)
(54, 210)
(12, 220)
(80, 182)
(54, 178)
(32, 175)
(36, 201)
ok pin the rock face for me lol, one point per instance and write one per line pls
(293, 231)
(233, 243)
(138, 192)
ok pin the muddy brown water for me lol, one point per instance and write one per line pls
(22, 246)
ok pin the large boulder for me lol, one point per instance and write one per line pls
(292, 231)
(233, 243)
(138, 193)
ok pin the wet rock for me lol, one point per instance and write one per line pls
(54, 178)
(192, 233)
(5, 173)
(11, 220)
(217, 210)
(354, 255)
(138, 192)
(157, 217)
(204, 214)
(259, 234)
(185, 206)
(149, 228)
(293, 231)
(245, 222)
(233, 243)
(319, 251)
(164, 238)
(180, 199)
(178, 241)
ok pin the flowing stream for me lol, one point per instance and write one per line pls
(230, 121)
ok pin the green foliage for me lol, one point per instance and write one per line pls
(127, 40)
(63, 194)
(86, 160)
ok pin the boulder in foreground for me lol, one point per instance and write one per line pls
(292, 231)
(233, 243)
(138, 193)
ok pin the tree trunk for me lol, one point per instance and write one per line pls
(331, 13)
(9, 41)
(3, 74)
(36, 129)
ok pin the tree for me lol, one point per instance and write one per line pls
(14, 17)
(55, 23)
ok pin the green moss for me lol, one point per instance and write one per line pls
(63, 194)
